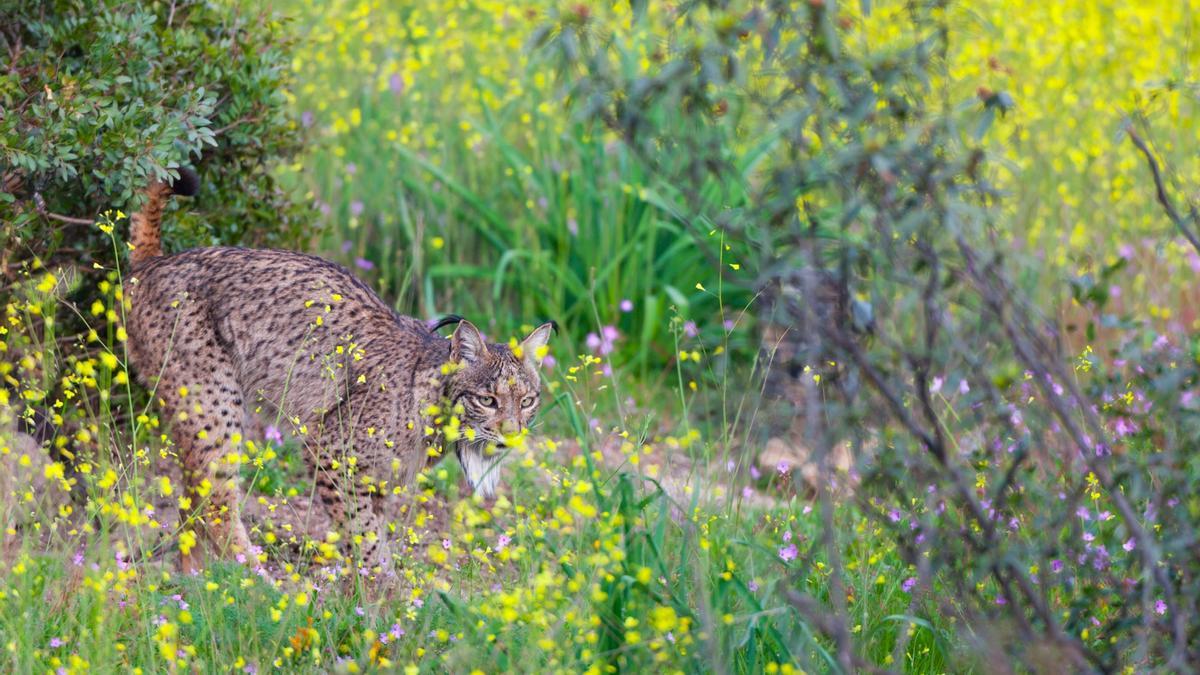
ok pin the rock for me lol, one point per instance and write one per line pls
(30, 493)
(781, 457)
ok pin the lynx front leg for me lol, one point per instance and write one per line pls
(356, 514)
(353, 454)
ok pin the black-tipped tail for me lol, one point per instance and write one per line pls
(188, 184)
(146, 225)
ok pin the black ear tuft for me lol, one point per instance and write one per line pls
(553, 326)
(188, 184)
(448, 320)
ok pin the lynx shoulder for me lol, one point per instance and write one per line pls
(222, 334)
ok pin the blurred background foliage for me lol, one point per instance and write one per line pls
(449, 150)
(960, 171)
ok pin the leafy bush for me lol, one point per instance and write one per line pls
(97, 99)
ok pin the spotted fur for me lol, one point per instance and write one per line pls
(225, 334)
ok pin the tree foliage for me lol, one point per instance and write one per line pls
(97, 99)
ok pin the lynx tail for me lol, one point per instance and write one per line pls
(146, 225)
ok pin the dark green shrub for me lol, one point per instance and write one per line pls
(97, 98)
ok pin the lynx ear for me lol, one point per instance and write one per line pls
(467, 344)
(533, 348)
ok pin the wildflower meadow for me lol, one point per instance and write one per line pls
(876, 343)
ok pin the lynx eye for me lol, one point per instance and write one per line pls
(486, 401)
(527, 401)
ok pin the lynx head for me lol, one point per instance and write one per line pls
(499, 391)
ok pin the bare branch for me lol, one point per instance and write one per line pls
(1160, 191)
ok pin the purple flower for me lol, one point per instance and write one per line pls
(1126, 251)
(502, 541)
(727, 324)
(605, 342)
(360, 611)
(626, 305)
(306, 119)
(690, 329)
(549, 362)
(754, 472)
(446, 544)
(1056, 565)
(894, 515)
(1160, 607)
(273, 434)
(788, 554)
(1123, 427)
(753, 585)
(1129, 544)
(347, 245)
(783, 468)
(55, 643)
(936, 385)
(356, 208)
(787, 536)
(964, 388)
(364, 264)
(396, 84)
(908, 584)
(351, 168)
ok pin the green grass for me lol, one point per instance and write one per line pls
(587, 563)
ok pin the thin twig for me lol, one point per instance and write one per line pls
(39, 204)
(1160, 190)
(236, 123)
(68, 219)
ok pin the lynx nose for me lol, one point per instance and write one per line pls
(510, 427)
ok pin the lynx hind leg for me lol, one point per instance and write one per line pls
(206, 410)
